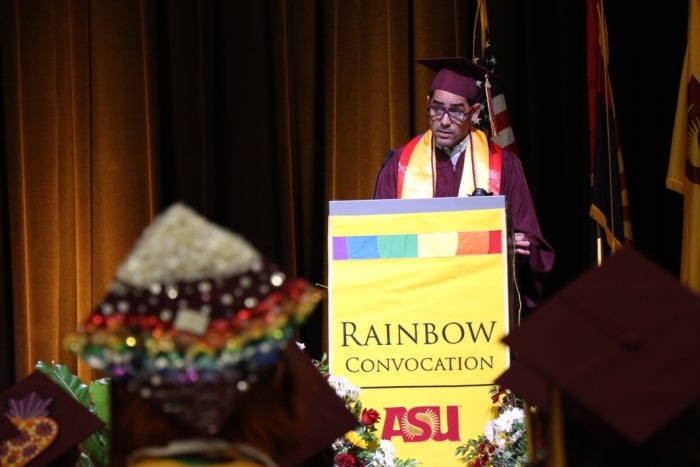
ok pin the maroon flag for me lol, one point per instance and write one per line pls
(609, 202)
(496, 122)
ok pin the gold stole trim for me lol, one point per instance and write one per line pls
(419, 180)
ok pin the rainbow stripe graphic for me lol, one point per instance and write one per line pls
(423, 245)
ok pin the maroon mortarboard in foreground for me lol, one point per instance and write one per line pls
(532, 387)
(315, 397)
(51, 423)
(457, 75)
(622, 341)
(7, 428)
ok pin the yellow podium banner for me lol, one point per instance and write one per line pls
(418, 305)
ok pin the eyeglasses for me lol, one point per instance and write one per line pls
(436, 112)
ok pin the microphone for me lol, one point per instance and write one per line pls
(388, 156)
(481, 192)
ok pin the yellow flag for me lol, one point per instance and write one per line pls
(683, 173)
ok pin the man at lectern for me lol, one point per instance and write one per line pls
(454, 158)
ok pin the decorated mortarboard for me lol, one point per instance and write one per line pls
(49, 424)
(621, 341)
(293, 391)
(193, 314)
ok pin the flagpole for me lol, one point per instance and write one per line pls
(598, 245)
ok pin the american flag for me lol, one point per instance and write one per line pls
(500, 130)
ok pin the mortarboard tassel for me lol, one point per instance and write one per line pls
(489, 105)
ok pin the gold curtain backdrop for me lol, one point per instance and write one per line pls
(81, 160)
(87, 111)
(257, 114)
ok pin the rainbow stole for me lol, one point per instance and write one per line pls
(415, 177)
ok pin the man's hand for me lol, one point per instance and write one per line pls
(521, 244)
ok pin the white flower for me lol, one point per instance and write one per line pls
(513, 415)
(505, 434)
(340, 445)
(503, 425)
(515, 436)
(490, 431)
(388, 448)
(343, 388)
(388, 453)
(505, 421)
(381, 458)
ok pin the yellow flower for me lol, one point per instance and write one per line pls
(356, 440)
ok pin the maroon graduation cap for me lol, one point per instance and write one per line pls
(7, 428)
(621, 341)
(49, 424)
(457, 75)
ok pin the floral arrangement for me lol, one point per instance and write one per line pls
(360, 447)
(504, 441)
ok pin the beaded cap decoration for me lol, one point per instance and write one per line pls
(193, 305)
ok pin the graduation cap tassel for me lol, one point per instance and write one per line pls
(489, 105)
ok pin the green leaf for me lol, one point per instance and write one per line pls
(99, 393)
(70, 383)
(95, 448)
(85, 461)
